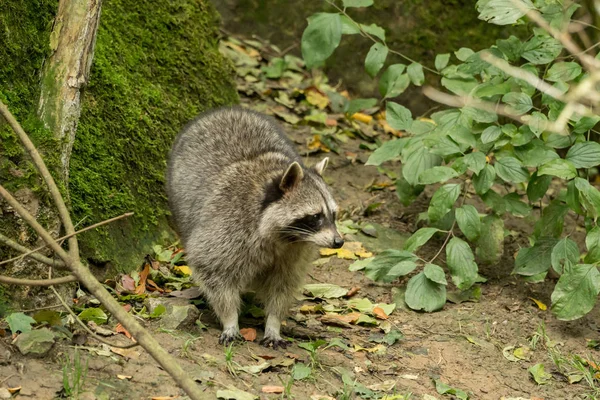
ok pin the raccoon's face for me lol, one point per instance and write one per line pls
(298, 207)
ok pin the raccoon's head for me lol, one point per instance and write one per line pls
(298, 207)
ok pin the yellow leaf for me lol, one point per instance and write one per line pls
(362, 117)
(317, 99)
(346, 254)
(328, 252)
(184, 269)
(541, 305)
(427, 120)
(364, 254)
(380, 348)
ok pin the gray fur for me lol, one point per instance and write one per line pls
(236, 185)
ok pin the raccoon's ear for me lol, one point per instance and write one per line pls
(320, 167)
(292, 177)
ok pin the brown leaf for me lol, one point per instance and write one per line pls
(272, 389)
(153, 287)
(379, 313)
(128, 283)
(293, 356)
(249, 334)
(127, 307)
(353, 291)
(121, 329)
(155, 264)
(141, 287)
(336, 320)
(14, 390)
(266, 357)
(123, 377)
(127, 353)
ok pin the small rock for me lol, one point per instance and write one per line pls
(179, 312)
(5, 394)
(36, 342)
(4, 354)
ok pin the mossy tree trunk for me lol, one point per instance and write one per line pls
(67, 71)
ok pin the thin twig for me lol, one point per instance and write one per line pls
(41, 308)
(30, 253)
(38, 257)
(37, 282)
(43, 170)
(86, 328)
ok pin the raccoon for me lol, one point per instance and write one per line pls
(248, 212)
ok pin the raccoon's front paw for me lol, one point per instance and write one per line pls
(229, 336)
(275, 342)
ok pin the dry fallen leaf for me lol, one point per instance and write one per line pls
(184, 269)
(292, 356)
(152, 286)
(141, 287)
(540, 305)
(164, 397)
(317, 99)
(123, 377)
(121, 329)
(379, 313)
(127, 353)
(316, 144)
(272, 389)
(14, 390)
(249, 334)
(362, 117)
(128, 283)
(353, 291)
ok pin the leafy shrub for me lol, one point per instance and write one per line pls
(521, 118)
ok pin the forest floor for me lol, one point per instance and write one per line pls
(350, 337)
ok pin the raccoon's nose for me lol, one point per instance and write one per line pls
(338, 242)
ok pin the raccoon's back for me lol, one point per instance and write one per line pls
(208, 145)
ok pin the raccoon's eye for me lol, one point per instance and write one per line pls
(317, 217)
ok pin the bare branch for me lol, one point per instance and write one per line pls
(86, 328)
(38, 257)
(41, 167)
(30, 253)
(37, 282)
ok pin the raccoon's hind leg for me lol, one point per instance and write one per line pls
(225, 302)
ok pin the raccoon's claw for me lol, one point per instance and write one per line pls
(274, 342)
(227, 337)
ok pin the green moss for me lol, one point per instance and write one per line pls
(156, 67)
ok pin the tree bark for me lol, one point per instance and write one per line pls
(66, 71)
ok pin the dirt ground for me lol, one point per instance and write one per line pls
(462, 345)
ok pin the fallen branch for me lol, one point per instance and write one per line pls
(37, 282)
(30, 253)
(38, 257)
(83, 274)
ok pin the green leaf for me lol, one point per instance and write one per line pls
(19, 322)
(418, 239)
(559, 167)
(490, 245)
(375, 58)
(442, 388)
(393, 81)
(585, 124)
(511, 170)
(463, 53)
(443, 200)
(563, 71)
(418, 160)
(93, 314)
(468, 221)
(349, 27)
(461, 263)
(535, 260)
(572, 199)
(357, 3)
(535, 154)
(576, 292)
(538, 186)
(515, 206)
(589, 197)
(494, 201)
(390, 264)
(435, 273)
(502, 12)
(398, 116)
(592, 243)
(459, 86)
(584, 155)
(374, 30)
(158, 311)
(537, 122)
(357, 105)
(300, 371)
(425, 294)
(518, 103)
(415, 73)
(484, 180)
(441, 60)
(564, 255)
(511, 47)
(325, 290)
(552, 221)
(321, 38)
(491, 134)
(479, 115)
(475, 161)
(388, 151)
(540, 376)
(541, 50)
(406, 192)
(437, 175)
